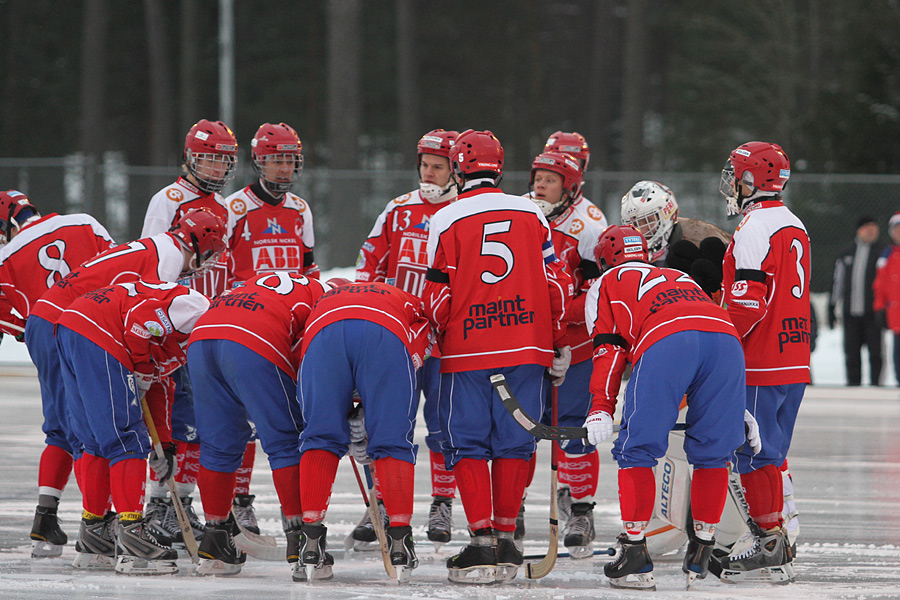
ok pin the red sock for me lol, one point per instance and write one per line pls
(76, 469)
(95, 479)
(317, 471)
(127, 479)
(709, 487)
(532, 464)
(246, 469)
(287, 486)
(216, 493)
(54, 469)
(637, 494)
(474, 482)
(188, 457)
(377, 484)
(396, 477)
(508, 476)
(443, 482)
(765, 495)
(580, 472)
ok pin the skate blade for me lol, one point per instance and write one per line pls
(306, 573)
(506, 573)
(634, 581)
(581, 552)
(403, 573)
(215, 567)
(779, 575)
(133, 565)
(93, 562)
(44, 549)
(473, 575)
(691, 578)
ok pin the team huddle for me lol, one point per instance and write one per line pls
(213, 330)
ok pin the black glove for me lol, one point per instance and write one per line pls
(832, 319)
(881, 319)
(164, 466)
(681, 255)
(713, 249)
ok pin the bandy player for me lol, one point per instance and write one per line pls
(395, 253)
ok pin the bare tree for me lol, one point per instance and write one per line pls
(162, 110)
(407, 78)
(189, 65)
(604, 54)
(633, 85)
(93, 100)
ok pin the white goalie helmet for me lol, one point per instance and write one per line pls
(651, 207)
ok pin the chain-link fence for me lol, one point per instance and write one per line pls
(346, 203)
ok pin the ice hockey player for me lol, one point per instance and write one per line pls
(395, 253)
(766, 293)
(193, 244)
(497, 295)
(371, 338)
(114, 342)
(556, 181)
(40, 250)
(243, 357)
(574, 144)
(678, 341)
(209, 160)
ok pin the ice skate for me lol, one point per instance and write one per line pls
(314, 562)
(140, 553)
(767, 560)
(47, 539)
(363, 538)
(155, 517)
(578, 534)
(519, 534)
(440, 521)
(696, 559)
(563, 504)
(477, 562)
(244, 513)
(95, 549)
(632, 567)
(509, 558)
(170, 522)
(402, 551)
(218, 554)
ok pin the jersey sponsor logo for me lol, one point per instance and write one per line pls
(502, 313)
(298, 227)
(594, 212)
(301, 204)
(155, 329)
(238, 206)
(413, 250)
(425, 225)
(794, 330)
(754, 304)
(577, 226)
(174, 195)
(278, 258)
(411, 278)
(164, 319)
(274, 227)
(739, 288)
(402, 199)
(360, 263)
(368, 247)
(139, 331)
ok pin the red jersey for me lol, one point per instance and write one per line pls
(634, 305)
(138, 322)
(887, 286)
(267, 315)
(765, 283)
(396, 249)
(270, 238)
(168, 204)
(399, 312)
(156, 258)
(42, 253)
(495, 291)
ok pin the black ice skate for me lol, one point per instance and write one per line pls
(155, 515)
(363, 538)
(47, 539)
(95, 549)
(218, 554)
(477, 563)
(440, 520)
(509, 558)
(578, 534)
(767, 560)
(314, 563)
(244, 513)
(402, 551)
(632, 567)
(170, 523)
(140, 553)
(696, 559)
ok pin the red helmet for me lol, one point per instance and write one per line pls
(619, 244)
(277, 143)
(569, 143)
(565, 166)
(437, 141)
(762, 166)
(476, 152)
(202, 231)
(15, 209)
(210, 155)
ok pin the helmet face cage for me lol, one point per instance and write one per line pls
(275, 148)
(619, 244)
(565, 166)
(210, 155)
(12, 205)
(203, 232)
(570, 143)
(761, 166)
(477, 152)
(651, 208)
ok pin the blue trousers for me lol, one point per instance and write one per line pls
(709, 368)
(234, 384)
(475, 423)
(429, 377)
(775, 408)
(102, 400)
(358, 355)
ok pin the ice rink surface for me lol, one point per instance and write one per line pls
(845, 462)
